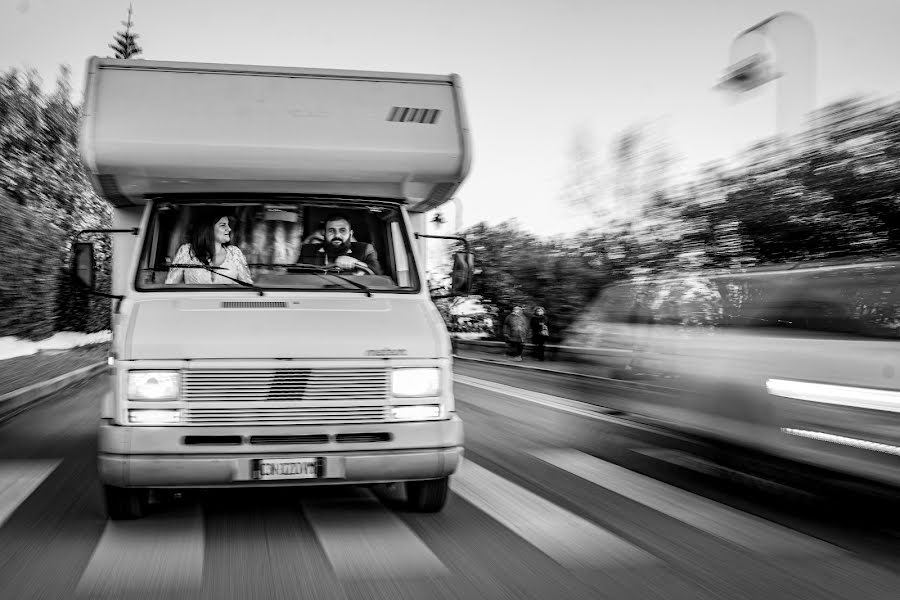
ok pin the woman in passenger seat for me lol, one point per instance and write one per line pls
(210, 245)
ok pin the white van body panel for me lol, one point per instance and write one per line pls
(316, 326)
(165, 127)
(276, 375)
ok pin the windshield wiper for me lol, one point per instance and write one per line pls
(356, 284)
(213, 270)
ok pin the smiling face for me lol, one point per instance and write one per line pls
(222, 231)
(337, 235)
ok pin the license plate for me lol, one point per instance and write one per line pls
(288, 468)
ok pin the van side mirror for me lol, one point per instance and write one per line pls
(83, 265)
(463, 269)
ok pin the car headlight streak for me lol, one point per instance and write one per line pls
(840, 395)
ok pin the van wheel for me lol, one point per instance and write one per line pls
(427, 496)
(124, 503)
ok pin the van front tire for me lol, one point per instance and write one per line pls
(427, 496)
(126, 504)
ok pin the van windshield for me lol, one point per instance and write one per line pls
(308, 244)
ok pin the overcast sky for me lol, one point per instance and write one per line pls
(534, 71)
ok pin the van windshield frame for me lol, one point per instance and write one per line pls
(269, 231)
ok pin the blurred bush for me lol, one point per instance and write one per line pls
(47, 198)
(29, 272)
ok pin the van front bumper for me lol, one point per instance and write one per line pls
(160, 457)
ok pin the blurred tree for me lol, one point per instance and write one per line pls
(834, 194)
(41, 171)
(583, 188)
(502, 253)
(833, 191)
(125, 45)
(626, 150)
(519, 269)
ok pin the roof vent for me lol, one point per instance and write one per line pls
(251, 304)
(409, 114)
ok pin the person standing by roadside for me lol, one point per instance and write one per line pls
(515, 330)
(540, 332)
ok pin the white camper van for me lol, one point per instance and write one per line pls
(272, 324)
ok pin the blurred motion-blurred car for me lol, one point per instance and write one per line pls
(800, 362)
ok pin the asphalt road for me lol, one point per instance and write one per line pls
(556, 500)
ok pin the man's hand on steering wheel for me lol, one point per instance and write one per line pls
(348, 263)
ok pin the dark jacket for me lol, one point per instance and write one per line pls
(536, 322)
(515, 329)
(314, 254)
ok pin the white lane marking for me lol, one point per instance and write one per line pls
(18, 480)
(364, 540)
(843, 440)
(158, 555)
(735, 526)
(568, 539)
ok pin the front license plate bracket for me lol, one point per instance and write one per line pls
(280, 469)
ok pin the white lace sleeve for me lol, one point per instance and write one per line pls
(243, 271)
(182, 257)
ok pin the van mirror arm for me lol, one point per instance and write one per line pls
(131, 230)
(464, 241)
(94, 292)
(118, 297)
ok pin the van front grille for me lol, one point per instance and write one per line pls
(194, 415)
(287, 385)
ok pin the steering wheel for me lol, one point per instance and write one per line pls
(358, 269)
